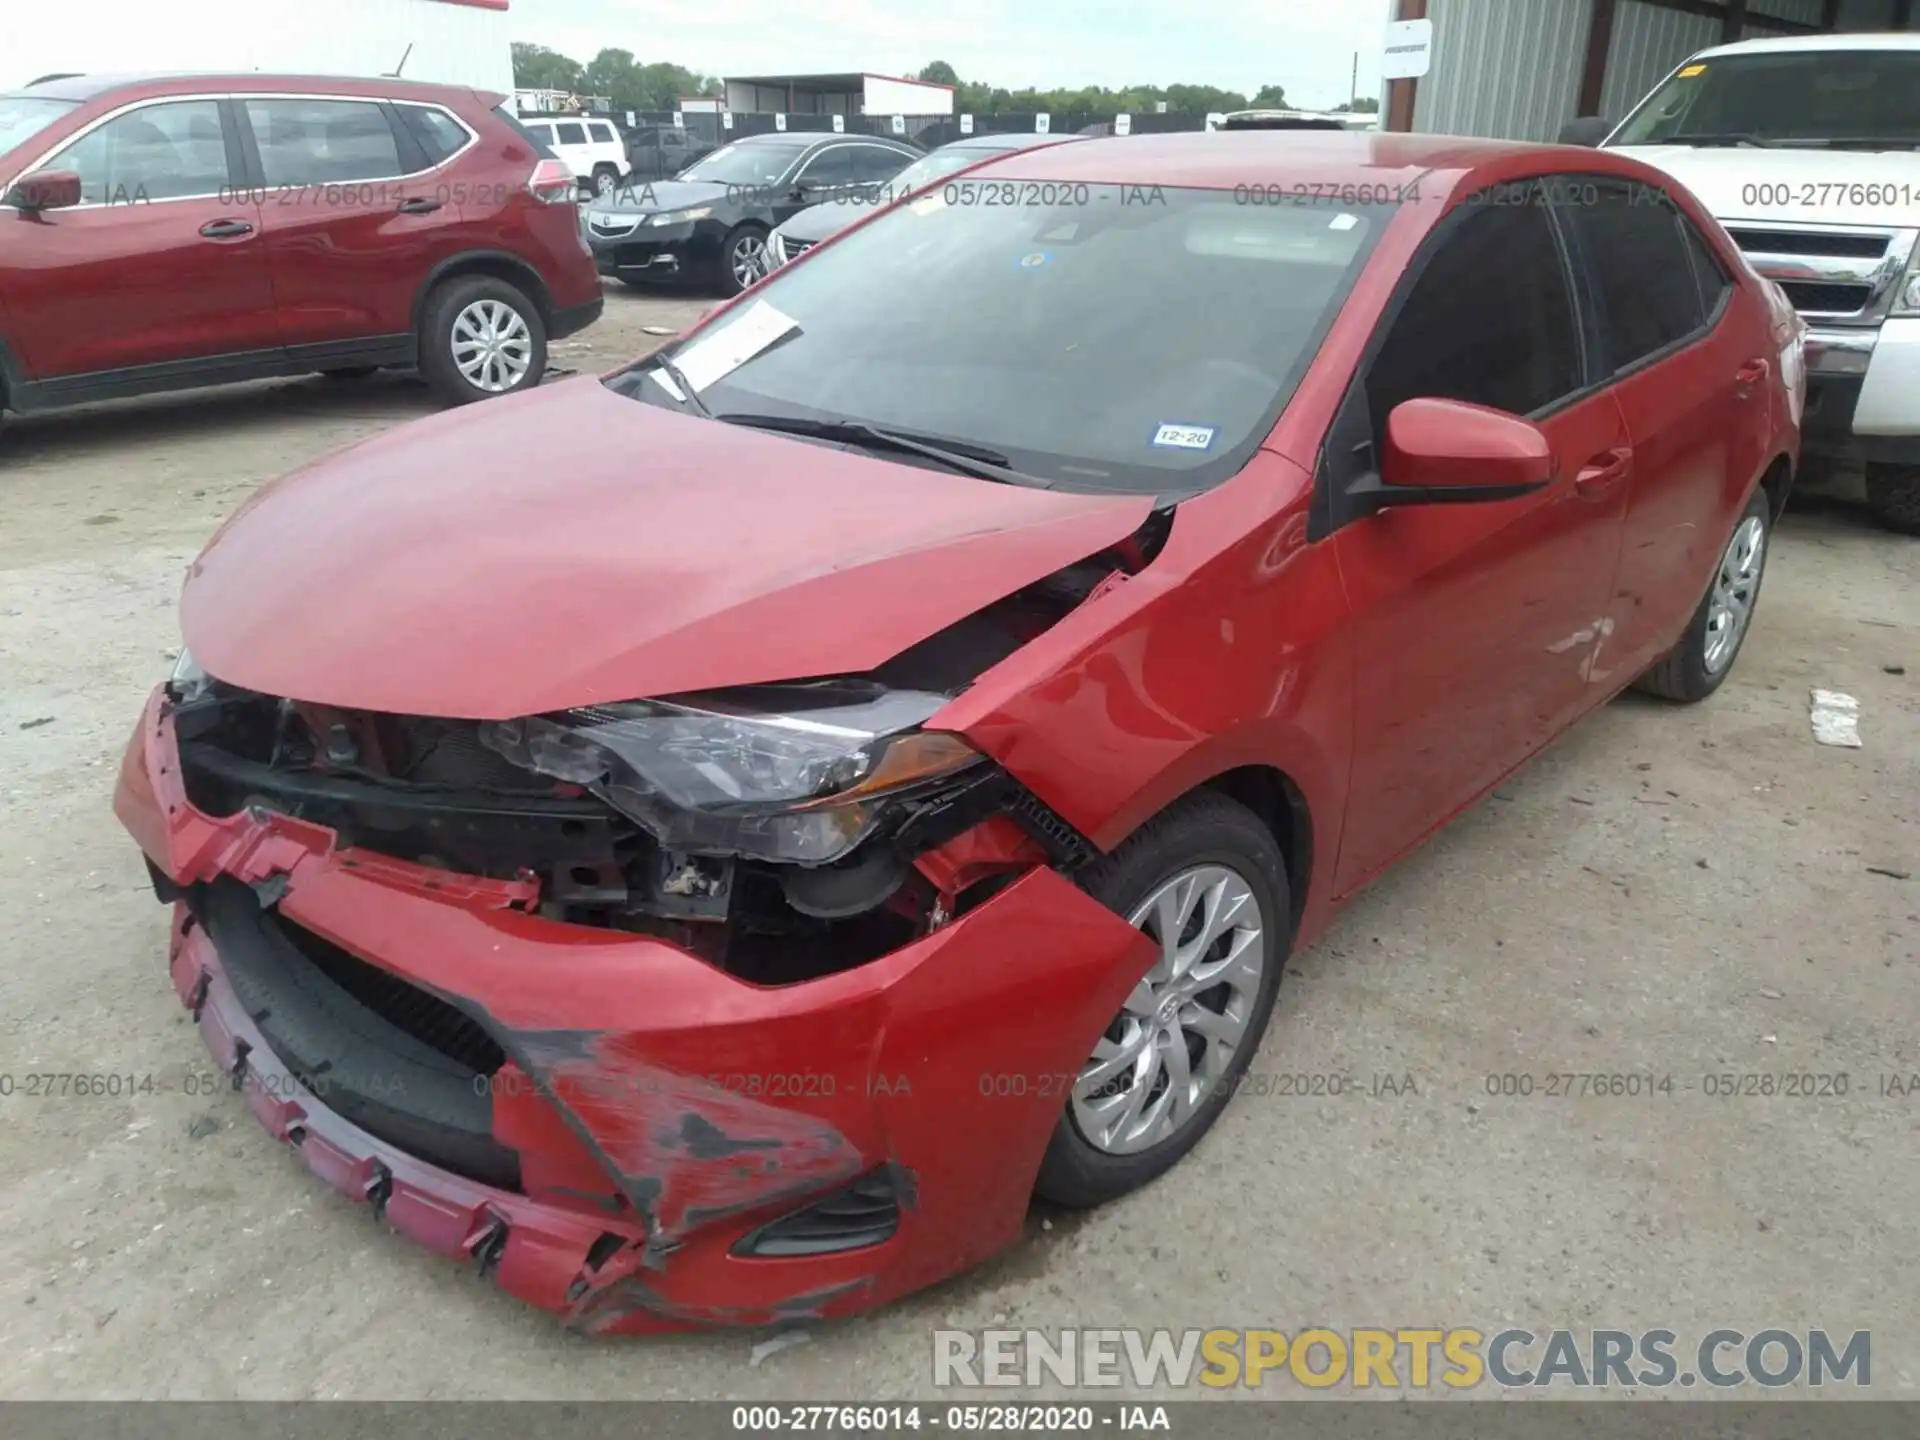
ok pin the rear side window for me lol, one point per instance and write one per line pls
(877, 162)
(321, 142)
(603, 134)
(1638, 256)
(571, 134)
(1709, 274)
(1490, 320)
(437, 132)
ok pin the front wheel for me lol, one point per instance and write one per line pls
(743, 259)
(606, 179)
(1893, 495)
(1207, 883)
(1695, 668)
(481, 337)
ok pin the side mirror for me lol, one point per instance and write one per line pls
(45, 190)
(1588, 131)
(1447, 452)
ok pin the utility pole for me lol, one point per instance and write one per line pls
(1353, 90)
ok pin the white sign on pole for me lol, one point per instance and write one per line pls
(679, 119)
(839, 124)
(1041, 122)
(1123, 124)
(899, 124)
(632, 120)
(726, 119)
(1409, 53)
(780, 121)
(966, 124)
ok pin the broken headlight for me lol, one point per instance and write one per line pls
(794, 773)
(188, 682)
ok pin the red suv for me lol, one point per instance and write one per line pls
(196, 230)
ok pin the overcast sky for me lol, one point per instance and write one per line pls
(1306, 45)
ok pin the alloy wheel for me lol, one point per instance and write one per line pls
(1730, 605)
(1169, 1049)
(748, 259)
(603, 183)
(492, 346)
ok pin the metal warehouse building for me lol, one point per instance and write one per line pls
(1520, 69)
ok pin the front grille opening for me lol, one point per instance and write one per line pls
(427, 1018)
(1820, 299)
(1809, 242)
(867, 1212)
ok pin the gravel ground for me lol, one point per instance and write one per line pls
(1666, 891)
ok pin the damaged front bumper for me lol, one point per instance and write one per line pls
(611, 1127)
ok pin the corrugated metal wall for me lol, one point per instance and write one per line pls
(1807, 12)
(1872, 15)
(1508, 68)
(1648, 41)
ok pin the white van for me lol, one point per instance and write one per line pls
(1808, 150)
(591, 145)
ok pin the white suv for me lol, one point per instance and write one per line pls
(1806, 150)
(593, 148)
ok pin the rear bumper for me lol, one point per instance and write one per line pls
(660, 1109)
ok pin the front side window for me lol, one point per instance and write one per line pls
(166, 151)
(1637, 253)
(1490, 320)
(1101, 337)
(323, 142)
(1810, 99)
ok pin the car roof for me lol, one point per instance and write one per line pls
(1222, 159)
(1789, 44)
(93, 87)
(1008, 142)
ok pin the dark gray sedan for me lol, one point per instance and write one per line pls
(815, 223)
(709, 224)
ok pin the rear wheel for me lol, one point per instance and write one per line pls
(1893, 494)
(481, 337)
(1206, 881)
(1695, 668)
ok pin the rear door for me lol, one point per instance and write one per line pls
(162, 261)
(1689, 367)
(355, 217)
(1475, 624)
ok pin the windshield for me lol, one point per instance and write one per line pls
(24, 116)
(1114, 338)
(1805, 98)
(739, 164)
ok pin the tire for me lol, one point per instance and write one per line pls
(446, 307)
(606, 180)
(1209, 833)
(350, 372)
(1690, 672)
(738, 239)
(1893, 495)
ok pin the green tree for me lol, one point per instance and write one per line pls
(939, 72)
(1366, 105)
(614, 73)
(535, 67)
(1271, 97)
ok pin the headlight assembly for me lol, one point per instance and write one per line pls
(682, 217)
(792, 773)
(188, 681)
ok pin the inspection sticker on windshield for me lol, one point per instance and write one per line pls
(727, 349)
(1035, 260)
(1344, 222)
(1184, 437)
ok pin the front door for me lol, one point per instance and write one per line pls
(1476, 625)
(162, 262)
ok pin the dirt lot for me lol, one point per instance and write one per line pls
(1666, 892)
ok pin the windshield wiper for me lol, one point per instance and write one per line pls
(958, 455)
(690, 396)
(1756, 141)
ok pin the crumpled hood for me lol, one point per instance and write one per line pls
(571, 546)
(1720, 176)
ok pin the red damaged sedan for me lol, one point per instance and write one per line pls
(708, 844)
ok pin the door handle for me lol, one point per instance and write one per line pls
(1600, 474)
(225, 229)
(1751, 374)
(420, 205)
